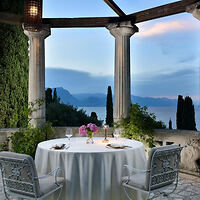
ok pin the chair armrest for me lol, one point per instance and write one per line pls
(132, 170)
(135, 170)
(52, 173)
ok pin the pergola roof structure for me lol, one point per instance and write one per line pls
(137, 17)
(121, 27)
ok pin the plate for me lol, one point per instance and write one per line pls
(117, 146)
(59, 146)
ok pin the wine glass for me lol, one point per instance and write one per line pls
(116, 133)
(68, 134)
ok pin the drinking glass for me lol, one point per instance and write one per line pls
(116, 134)
(68, 134)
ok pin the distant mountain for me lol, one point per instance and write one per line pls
(98, 99)
(91, 100)
(149, 101)
(66, 97)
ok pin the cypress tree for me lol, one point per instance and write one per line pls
(94, 116)
(188, 115)
(109, 108)
(193, 123)
(55, 97)
(13, 70)
(179, 113)
(48, 94)
(170, 124)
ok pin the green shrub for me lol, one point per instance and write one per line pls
(26, 139)
(4, 146)
(13, 76)
(13, 69)
(140, 125)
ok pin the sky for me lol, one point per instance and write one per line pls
(164, 53)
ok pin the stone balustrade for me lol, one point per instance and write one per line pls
(190, 156)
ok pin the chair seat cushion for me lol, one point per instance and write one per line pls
(136, 180)
(48, 184)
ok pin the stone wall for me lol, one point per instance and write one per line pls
(5, 133)
(190, 156)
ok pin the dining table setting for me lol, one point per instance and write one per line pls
(92, 171)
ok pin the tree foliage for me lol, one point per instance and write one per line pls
(188, 115)
(109, 108)
(26, 140)
(60, 114)
(55, 98)
(13, 70)
(140, 125)
(48, 95)
(170, 124)
(185, 116)
(94, 115)
(179, 113)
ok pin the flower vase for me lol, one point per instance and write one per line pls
(89, 139)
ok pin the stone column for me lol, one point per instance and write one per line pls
(194, 9)
(122, 92)
(36, 90)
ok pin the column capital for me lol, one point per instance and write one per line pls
(122, 29)
(44, 33)
(194, 9)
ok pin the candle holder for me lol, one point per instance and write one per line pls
(105, 127)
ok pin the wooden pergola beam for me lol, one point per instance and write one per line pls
(142, 16)
(115, 7)
(80, 22)
(10, 18)
(162, 11)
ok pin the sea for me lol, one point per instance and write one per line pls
(162, 113)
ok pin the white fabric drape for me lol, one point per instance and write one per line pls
(91, 171)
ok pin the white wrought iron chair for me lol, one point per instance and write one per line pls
(20, 178)
(162, 171)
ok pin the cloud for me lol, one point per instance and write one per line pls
(77, 81)
(179, 73)
(184, 82)
(166, 27)
(187, 58)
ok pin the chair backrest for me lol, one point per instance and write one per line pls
(19, 174)
(163, 164)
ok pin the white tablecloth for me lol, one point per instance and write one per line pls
(92, 171)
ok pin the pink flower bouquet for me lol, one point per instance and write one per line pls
(88, 130)
(83, 131)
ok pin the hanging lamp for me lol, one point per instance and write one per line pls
(33, 15)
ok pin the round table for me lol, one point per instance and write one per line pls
(91, 171)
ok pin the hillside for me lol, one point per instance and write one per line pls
(99, 100)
